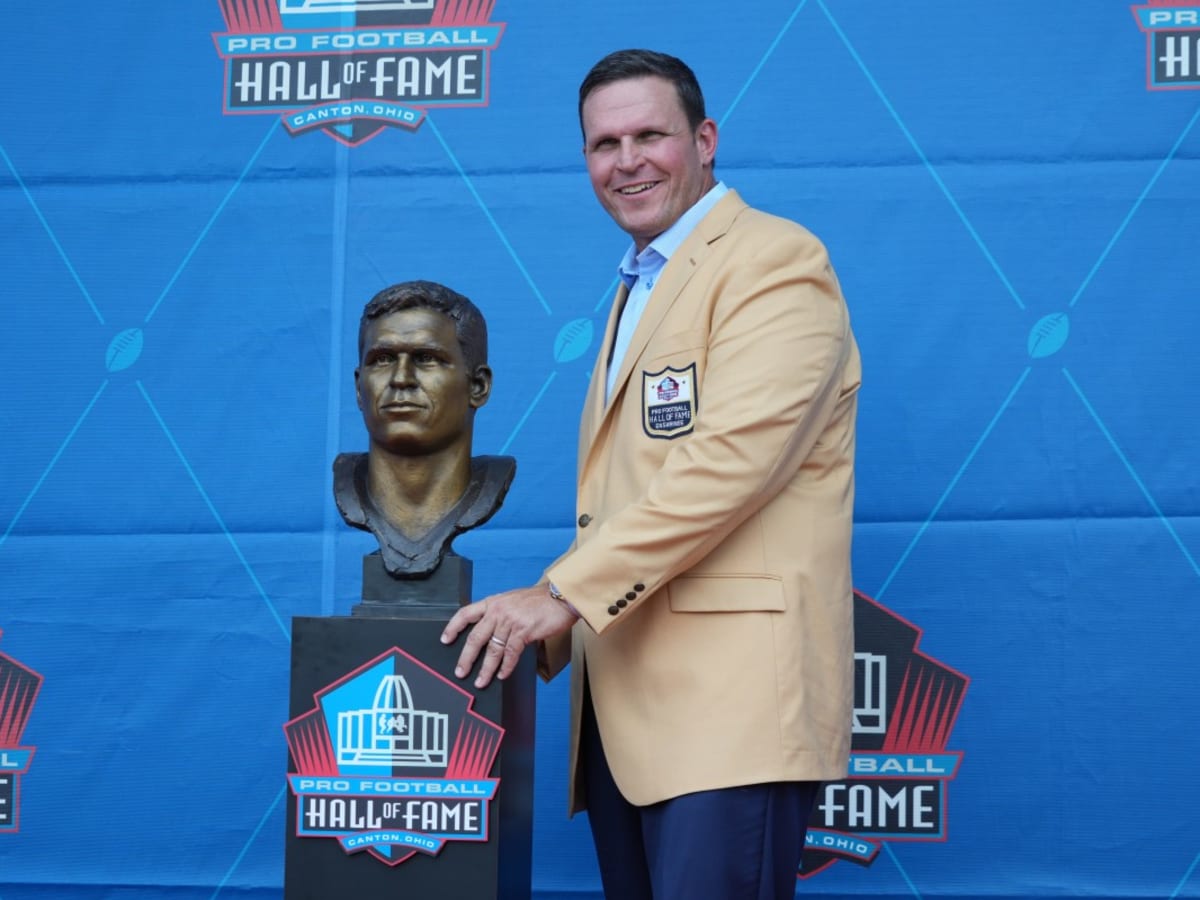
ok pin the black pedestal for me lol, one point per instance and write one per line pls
(405, 782)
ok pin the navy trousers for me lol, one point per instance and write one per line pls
(741, 843)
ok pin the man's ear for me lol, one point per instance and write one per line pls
(706, 141)
(481, 386)
(357, 390)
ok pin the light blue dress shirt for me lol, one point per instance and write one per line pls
(640, 272)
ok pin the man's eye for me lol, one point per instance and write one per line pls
(381, 359)
(425, 359)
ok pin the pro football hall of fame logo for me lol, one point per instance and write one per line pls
(1172, 29)
(351, 68)
(905, 705)
(392, 760)
(19, 688)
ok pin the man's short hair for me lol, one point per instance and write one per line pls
(469, 325)
(624, 64)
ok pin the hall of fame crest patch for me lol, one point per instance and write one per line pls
(669, 402)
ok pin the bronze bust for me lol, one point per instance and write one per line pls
(422, 373)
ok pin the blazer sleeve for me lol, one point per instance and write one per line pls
(779, 348)
(554, 653)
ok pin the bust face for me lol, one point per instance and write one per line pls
(415, 391)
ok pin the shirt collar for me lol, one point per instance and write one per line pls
(659, 250)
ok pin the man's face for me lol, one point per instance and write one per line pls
(647, 166)
(414, 388)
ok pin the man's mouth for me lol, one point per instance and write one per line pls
(631, 190)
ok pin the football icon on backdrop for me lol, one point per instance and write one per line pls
(351, 68)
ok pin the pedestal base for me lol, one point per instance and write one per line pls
(390, 752)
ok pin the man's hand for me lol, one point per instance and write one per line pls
(505, 624)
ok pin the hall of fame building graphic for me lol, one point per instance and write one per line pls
(19, 688)
(351, 68)
(392, 760)
(1172, 29)
(905, 706)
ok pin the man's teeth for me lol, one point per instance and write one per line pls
(636, 189)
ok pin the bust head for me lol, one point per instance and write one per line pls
(422, 369)
(422, 373)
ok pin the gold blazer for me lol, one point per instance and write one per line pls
(711, 563)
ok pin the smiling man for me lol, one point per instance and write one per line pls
(706, 603)
(422, 374)
(649, 164)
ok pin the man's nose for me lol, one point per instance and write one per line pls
(404, 372)
(628, 156)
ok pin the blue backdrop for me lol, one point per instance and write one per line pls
(1009, 193)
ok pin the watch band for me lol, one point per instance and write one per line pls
(556, 594)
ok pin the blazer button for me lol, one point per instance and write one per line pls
(639, 587)
(613, 610)
(622, 603)
(585, 520)
(631, 596)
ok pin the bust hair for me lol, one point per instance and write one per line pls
(469, 325)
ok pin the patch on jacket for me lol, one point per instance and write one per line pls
(669, 402)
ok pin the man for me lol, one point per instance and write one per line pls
(422, 374)
(712, 676)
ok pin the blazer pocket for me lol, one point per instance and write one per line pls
(726, 593)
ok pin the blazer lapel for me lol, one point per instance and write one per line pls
(593, 407)
(675, 276)
(684, 263)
